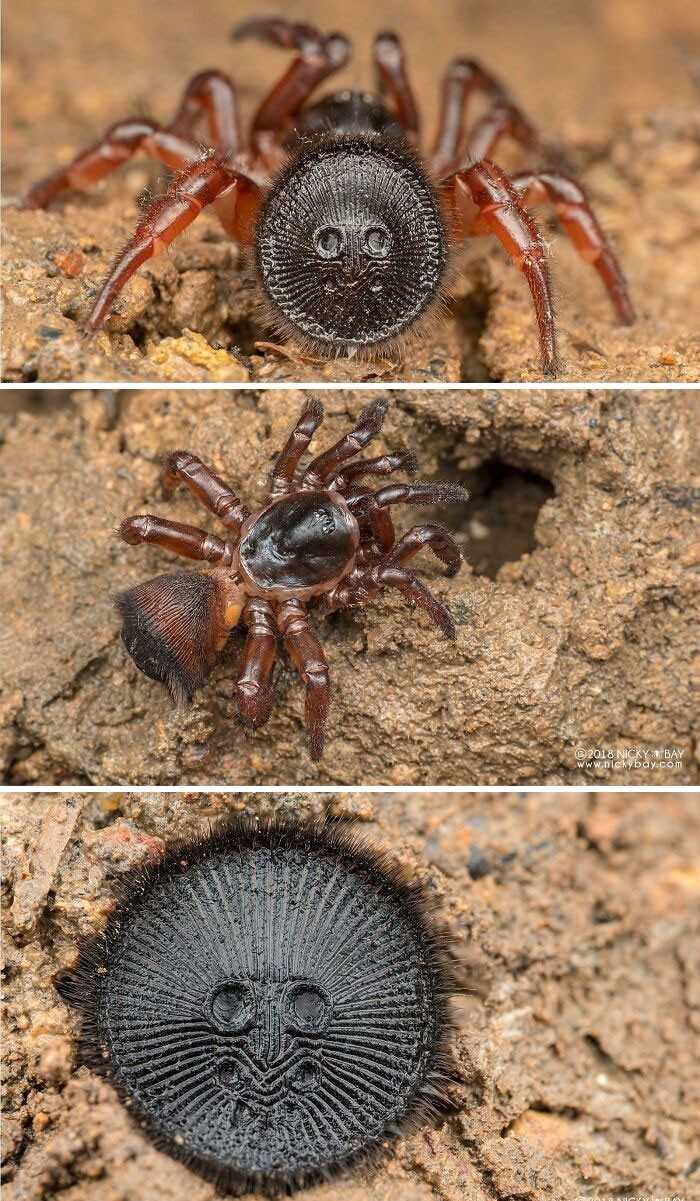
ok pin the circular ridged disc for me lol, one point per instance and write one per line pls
(270, 1005)
(351, 246)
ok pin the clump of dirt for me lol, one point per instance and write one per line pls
(577, 610)
(576, 928)
(615, 94)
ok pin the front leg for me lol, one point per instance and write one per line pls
(484, 201)
(318, 56)
(462, 79)
(394, 82)
(203, 183)
(209, 489)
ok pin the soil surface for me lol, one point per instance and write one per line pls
(577, 609)
(614, 87)
(576, 927)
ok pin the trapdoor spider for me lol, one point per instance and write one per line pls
(322, 537)
(350, 226)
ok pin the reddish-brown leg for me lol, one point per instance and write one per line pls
(286, 463)
(211, 94)
(254, 684)
(201, 184)
(438, 539)
(318, 57)
(422, 493)
(415, 590)
(186, 540)
(307, 656)
(462, 78)
(367, 428)
(485, 202)
(117, 145)
(394, 83)
(384, 465)
(210, 490)
(371, 517)
(580, 224)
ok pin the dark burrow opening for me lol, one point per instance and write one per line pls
(497, 524)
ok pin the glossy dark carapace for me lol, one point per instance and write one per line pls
(323, 538)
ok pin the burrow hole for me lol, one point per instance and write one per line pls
(497, 524)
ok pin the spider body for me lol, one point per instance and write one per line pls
(323, 537)
(350, 222)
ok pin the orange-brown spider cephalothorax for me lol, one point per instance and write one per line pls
(350, 225)
(323, 537)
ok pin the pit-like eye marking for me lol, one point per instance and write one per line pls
(306, 1077)
(377, 241)
(329, 241)
(231, 1006)
(309, 1007)
(230, 1078)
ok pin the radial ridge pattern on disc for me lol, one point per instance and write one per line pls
(271, 1001)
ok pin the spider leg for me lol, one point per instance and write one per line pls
(394, 82)
(254, 684)
(384, 465)
(318, 56)
(367, 428)
(371, 516)
(201, 184)
(485, 202)
(307, 656)
(438, 539)
(209, 489)
(391, 576)
(581, 226)
(186, 540)
(462, 78)
(118, 144)
(211, 94)
(286, 463)
(423, 493)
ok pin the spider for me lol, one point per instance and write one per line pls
(322, 537)
(351, 229)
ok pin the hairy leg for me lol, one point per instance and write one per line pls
(254, 684)
(210, 94)
(485, 202)
(367, 428)
(394, 82)
(203, 183)
(462, 79)
(384, 465)
(318, 56)
(286, 463)
(115, 147)
(414, 590)
(438, 539)
(307, 656)
(581, 226)
(209, 489)
(186, 540)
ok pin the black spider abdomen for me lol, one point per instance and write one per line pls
(351, 246)
(300, 541)
(271, 1002)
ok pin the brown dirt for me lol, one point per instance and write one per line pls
(577, 923)
(615, 85)
(577, 611)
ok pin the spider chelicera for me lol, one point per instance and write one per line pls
(322, 537)
(350, 225)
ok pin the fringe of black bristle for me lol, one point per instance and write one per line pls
(431, 1101)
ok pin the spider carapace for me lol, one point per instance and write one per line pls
(352, 225)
